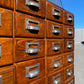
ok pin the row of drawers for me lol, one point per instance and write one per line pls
(41, 8)
(26, 49)
(26, 72)
(29, 26)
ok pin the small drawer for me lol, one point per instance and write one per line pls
(70, 80)
(54, 30)
(68, 31)
(69, 45)
(7, 4)
(55, 46)
(29, 49)
(6, 22)
(54, 63)
(54, 12)
(68, 71)
(68, 58)
(6, 51)
(29, 71)
(68, 18)
(35, 7)
(29, 26)
(7, 75)
(56, 78)
(39, 81)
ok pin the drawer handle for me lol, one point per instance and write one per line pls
(57, 79)
(56, 48)
(70, 31)
(69, 58)
(32, 50)
(69, 44)
(0, 79)
(69, 72)
(33, 73)
(69, 18)
(0, 19)
(57, 64)
(56, 12)
(57, 30)
(32, 27)
(33, 4)
(71, 82)
(0, 50)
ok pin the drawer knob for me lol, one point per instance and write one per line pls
(0, 19)
(69, 72)
(33, 27)
(33, 73)
(32, 50)
(69, 44)
(57, 30)
(71, 82)
(56, 12)
(69, 18)
(70, 31)
(32, 4)
(69, 58)
(0, 79)
(57, 79)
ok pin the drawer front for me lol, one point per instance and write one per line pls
(68, 31)
(68, 71)
(70, 81)
(54, 63)
(54, 12)
(29, 71)
(7, 75)
(6, 51)
(7, 3)
(69, 45)
(55, 46)
(56, 78)
(35, 7)
(54, 30)
(68, 58)
(68, 18)
(39, 81)
(29, 26)
(29, 49)
(6, 22)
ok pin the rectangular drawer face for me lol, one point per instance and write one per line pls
(55, 46)
(29, 26)
(69, 45)
(68, 18)
(56, 78)
(7, 3)
(6, 22)
(68, 58)
(54, 30)
(29, 71)
(35, 7)
(54, 12)
(7, 75)
(54, 63)
(39, 81)
(68, 71)
(6, 51)
(68, 31)
(29, 49)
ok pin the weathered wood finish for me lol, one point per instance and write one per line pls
(50, 67)
(65, 30)
(7, 3)
(65, 61)
(7, 74)
(21, 26)
(50, 51)
(49, 12)
(50, 77)
(20, 51)
(21, 71)
(6, 51)
(50, 34)
(6, 28)
(21, 6)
